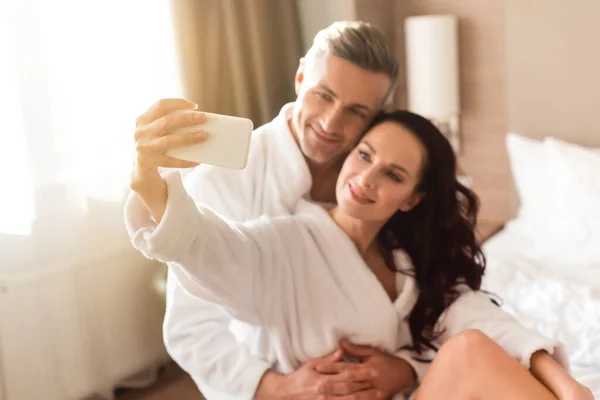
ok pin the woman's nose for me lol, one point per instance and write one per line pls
(368, 178)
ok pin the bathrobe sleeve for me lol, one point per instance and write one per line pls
(475, 310)
(197, 332)
(213, 259)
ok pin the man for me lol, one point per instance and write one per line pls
(347, 76)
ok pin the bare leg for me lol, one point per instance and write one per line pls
(472, 366)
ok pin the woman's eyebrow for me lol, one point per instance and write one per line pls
(395, 166)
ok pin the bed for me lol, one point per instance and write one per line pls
(545, 263)
(546, 296)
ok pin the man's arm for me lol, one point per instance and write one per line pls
(198, 338)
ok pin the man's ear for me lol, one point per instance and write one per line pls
(299, 76)
(411, 202)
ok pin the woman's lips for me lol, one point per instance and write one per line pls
(358, 195)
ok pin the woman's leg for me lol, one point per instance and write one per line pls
(472, 366)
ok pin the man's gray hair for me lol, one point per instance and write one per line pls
(360, 43)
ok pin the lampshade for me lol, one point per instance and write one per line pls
(432, 65)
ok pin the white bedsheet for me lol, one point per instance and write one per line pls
(558, 300)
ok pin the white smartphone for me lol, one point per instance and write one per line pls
(227, 142)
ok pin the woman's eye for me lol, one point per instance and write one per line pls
(394, 177)
(363, 155)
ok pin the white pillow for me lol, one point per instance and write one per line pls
(575, 172)
(558, 184)
(528, 164)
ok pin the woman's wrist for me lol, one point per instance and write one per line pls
(552, 374)
(152, 190)
(144, 180)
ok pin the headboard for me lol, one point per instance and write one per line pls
(553, 70)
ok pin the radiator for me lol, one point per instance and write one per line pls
(68, 331)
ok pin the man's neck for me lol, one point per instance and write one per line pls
(324, 179)
(324, 175)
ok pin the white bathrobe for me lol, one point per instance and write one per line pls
(301, 280)
(196, 331)
(298, 277)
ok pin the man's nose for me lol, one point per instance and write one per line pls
(333, 119)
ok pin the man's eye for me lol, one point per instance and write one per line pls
(325, 96)
(358, 113)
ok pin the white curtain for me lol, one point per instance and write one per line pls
(74, 74)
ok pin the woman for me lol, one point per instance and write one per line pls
(394, 265)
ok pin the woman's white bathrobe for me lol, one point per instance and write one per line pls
(301, 280)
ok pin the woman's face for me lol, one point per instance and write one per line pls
(380, 175)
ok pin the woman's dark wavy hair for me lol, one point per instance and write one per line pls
(439, 233)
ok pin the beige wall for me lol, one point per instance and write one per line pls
(483, 92)
(379, 13)
(317, 14)
(553, 60)
(554, 68)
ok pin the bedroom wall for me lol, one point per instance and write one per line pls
(317, 14)
(553, 63)
(552, 69)
(379, 13)
(483, 91)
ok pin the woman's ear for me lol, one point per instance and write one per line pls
(299, 76)
(411, 202)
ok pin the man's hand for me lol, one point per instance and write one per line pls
(307, 384)
(392, 374)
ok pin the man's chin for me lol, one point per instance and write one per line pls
(317, 155)
(322, 159)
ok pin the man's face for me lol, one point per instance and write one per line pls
(336, 101)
